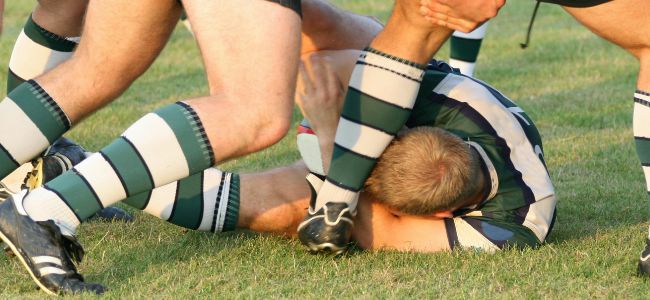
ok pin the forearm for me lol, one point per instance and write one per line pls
(326, 27)
(408, 38)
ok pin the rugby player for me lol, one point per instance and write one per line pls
(622, 22)
(468, 172)
(106, 62)
(52, 32)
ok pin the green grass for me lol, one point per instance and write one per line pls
(577, 87)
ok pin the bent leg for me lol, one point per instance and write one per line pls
(105, 63)
(48, 39)
(624, 23)
(121, 40)
(199, 132)
(251, 52)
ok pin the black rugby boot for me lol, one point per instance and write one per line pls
(328, 229)
(43, 250)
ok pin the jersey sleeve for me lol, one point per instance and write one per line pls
(491, 234)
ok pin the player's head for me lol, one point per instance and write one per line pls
(426, 170)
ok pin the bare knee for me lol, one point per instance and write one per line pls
(270, 129)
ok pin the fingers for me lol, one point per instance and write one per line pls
(334, 85)
(307, 83)
(462, 16)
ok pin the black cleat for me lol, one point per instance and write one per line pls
(327, 230)
(58, 158)
(45, 252)
(643, 268)
(111, 213)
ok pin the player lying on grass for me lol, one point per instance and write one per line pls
(470, 156)
(622, 22)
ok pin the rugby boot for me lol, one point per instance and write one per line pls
(47, 254)
(643, 268)
(328, 229)
(58, 158)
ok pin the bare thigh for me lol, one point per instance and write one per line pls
(120, 40)
(625, 23)
(250, 51)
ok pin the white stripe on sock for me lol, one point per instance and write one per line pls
(336, 195)
(211, 180)
(166, 162)
(642, 96)
(29, 59)
(640, 121)
(362, 139)
(161, 201)
(223, 204)
(42, 205)
(466, 68)
(646, 172)
(385, 85)
(102, 179)
(23, 144)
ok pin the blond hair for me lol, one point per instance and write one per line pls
(425, 170)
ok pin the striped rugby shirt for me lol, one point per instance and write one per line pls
(520, 207)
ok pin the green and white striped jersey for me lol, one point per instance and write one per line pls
(509, 143)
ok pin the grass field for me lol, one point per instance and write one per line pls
(576, 87)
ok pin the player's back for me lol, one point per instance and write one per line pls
(500, 131)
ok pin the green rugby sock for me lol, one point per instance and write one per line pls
(31, 121)
(382, 91)
(36, 51)
(465, 48)
(161, 147)
(206, 201)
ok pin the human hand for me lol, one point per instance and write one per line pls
(461, 15)
(321, 99)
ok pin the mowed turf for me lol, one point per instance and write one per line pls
(577, 87)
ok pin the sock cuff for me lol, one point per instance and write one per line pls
(191, 135)
(232, 209)
(332, 193)
(41, 108)
(642, 97)
(642, 92)
(47, 38)
(399, 63)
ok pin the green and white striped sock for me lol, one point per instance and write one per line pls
(381, 93)
(465, 48)
(161, 147)
(206, 201)
(31, 121)
(641, 129)
(36, 51)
